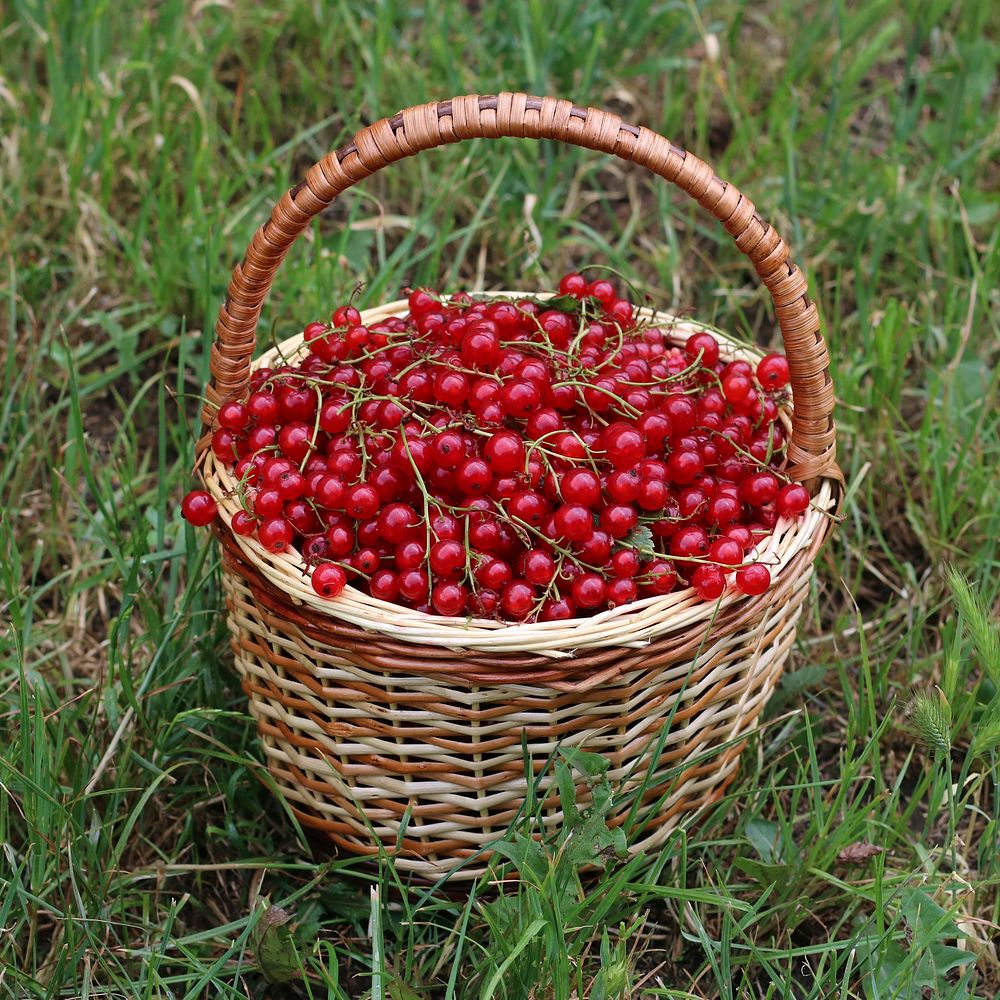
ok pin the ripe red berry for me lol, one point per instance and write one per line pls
(276, 534)
(397, 522)
(581, 486)
(384, 585)
(473, 476)
(736, 388)
(519, 397)
(759, 489)
(530, 507)
(709, 582)
(263, 407)
(233, 416)
(702, 347)
(346, 316)
(624, 445)
(517, 599)
(198, 508)
(772, 372)
(792, 499)
(448, 598)
(602, 290)
(504, 450)
(328, 579)
(575, 522)
(753, 579)
(618, 520)
(573, 284)
(446, 557)
(621, 591)
(557, 610)
(625, 562)
(538, 567)
(726, 552)
(689, 542)
(659, 576)
(589, 590)
(361, 501)
(685, 466)
(244, 523)
(414, 585)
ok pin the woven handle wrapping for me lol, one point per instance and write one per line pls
(812, 446)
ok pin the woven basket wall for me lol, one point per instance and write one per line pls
(383, 725)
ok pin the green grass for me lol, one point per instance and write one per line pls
(139, 844)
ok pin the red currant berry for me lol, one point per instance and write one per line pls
(493, 573)
(198, 508)
(384, 585)
(625, 562)
(602, 290)
(517, 599)
(689, 542)
(339, 540)
(574, 522)
(244, 523)
(792, 500)
(328, 579)
(736, 388)
(414, 585)
(447, 557)
(660, 576)
(263, 407)
(581, 486)
(504, 450)
(702, 347)
(685, 466)
(618, 520)
(726, 552)
(557, 610)
(621, 591)
(709, 582)
(301, 516)
(538, 567)
(772, 372)
(620, 312)
(474, 476)
(589, 590)
(759, 489)
(753, 579)
(409, 555)
(361, 501)
(268, 503)
(397, 522)
(573, 284)
(519, 397)
(366, 561)
(233, 416)
(529, 507)
(276, 534)
(448, 598)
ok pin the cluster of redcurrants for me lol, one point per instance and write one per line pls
(527, 459)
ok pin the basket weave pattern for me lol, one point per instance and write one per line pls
(385, 725)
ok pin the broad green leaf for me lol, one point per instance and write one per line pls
(276, 952)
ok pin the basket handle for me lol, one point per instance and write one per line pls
(811, 450)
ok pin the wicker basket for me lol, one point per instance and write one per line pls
(386, 726)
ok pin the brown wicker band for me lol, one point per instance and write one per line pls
(812, 448)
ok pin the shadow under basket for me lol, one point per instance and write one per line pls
(386, 726)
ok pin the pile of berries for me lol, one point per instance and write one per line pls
(524, 459)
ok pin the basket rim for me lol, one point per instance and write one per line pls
(634, 624)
